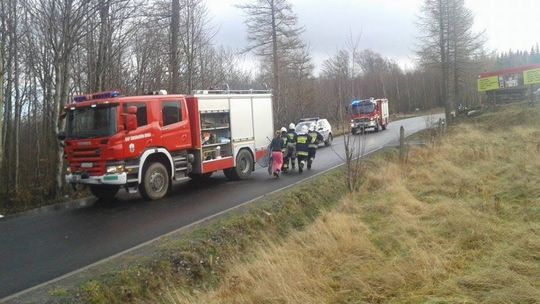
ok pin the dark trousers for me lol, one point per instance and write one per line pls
(311, 156)
(290, 155)
(301, 158)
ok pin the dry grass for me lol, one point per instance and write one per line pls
(458, 223)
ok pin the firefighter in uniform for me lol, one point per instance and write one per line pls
(302, 148)
(291, 148)
(316, 138)
(284, 139)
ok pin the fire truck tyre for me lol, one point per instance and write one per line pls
(244, 166)
(377, 128)
(104, 192)
(328, 142)
(200, 177)
(155, 183)
(384, 126)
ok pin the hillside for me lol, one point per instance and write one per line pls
(458, 223)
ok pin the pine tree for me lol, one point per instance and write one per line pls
(274, 35)
(448, 42)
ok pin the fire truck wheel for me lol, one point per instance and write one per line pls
(104, 192)
(244, 166)
(384, 126)
(200, 177)
(155, 182)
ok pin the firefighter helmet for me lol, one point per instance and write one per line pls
(291, 126)
(283, 129)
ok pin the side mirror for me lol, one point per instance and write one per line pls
(61, 136)
(131, 118)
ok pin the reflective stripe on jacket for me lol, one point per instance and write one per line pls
(302, 144)
(316, 137)
(284, 140)
(291, 137)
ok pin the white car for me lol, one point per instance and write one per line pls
(321, 125)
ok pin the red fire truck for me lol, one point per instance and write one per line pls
(143, 143)
(369, 114)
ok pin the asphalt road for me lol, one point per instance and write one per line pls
(38, 248)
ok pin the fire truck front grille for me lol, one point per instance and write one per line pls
(88, 161)
(363, 120)
(86, 155)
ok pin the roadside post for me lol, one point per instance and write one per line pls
(401, 143)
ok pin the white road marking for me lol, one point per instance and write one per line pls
(20, 293)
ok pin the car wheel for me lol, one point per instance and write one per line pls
(328, 142)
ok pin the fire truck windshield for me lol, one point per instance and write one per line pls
(91, 122)
(363, 108)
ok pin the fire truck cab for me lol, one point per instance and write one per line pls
(143, 143)
(369, 114)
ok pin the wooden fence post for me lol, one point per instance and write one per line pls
(401, 143)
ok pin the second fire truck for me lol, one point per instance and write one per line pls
(369, 114)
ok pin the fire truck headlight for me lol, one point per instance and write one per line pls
(68, 170)
(115, 169)
(352, 125)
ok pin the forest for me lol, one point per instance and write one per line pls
(51, 50)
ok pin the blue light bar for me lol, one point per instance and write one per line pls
(360, 101)
(80, 98)
(111, 94)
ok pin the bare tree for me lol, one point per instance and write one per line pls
(337, 71)
(3, 39)
(174, 63)
(273, 33)
(62, 22)
(353, 44)
(448, 42)
(195, 36)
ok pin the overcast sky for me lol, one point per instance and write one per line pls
(386, 26)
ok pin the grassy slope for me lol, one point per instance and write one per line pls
(198, 259)
(459, 223)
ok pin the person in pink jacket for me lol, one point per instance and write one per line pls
(277, 154)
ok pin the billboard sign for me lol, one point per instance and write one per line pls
(488, 83)
(531, 76)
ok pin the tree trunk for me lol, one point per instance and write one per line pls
(103, 46)
(275, 64)
(61, 91)
(444, 59)
(17, 103)
(7, 135)
(2, 45)
(173, 56)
